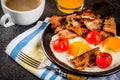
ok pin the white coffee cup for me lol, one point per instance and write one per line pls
(12, 17)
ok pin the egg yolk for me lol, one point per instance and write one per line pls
(111, 44)
(77, 48)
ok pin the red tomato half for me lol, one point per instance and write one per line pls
(93, 37)
(103, 60)
(61, 45)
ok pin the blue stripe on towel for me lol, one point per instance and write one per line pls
(53, 77)
(23, 42)
(44, 74)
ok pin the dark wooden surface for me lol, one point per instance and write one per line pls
(9, 69)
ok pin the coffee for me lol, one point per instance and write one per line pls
(22, 5)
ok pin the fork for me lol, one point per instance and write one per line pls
(36, 64)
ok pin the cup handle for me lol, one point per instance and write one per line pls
(6, 20)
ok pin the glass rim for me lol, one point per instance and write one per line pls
(78, 8)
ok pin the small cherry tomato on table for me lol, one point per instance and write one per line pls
(103, 60)
(60, 45)
(93, 37)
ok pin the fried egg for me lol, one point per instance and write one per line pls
(65, 56)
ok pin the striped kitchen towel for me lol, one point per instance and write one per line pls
(29, 43)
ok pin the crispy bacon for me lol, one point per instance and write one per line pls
(81, 23)
(78, 30)
(87, 59)
(55, 21)
(67, 34)
(110, 25)
(93, 24)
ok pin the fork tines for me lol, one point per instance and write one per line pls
(28, 60)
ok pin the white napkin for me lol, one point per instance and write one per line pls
(27, 41)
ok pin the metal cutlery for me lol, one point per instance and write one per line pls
(38, 65)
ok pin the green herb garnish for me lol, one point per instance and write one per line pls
(108, 23)
(68, 24)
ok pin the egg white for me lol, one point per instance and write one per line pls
(65, 57)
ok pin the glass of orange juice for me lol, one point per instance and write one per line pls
(69, 6)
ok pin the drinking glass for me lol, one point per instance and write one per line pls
(69, 6)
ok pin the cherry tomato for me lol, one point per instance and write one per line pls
(61, 44)
(103, 60)
(93, 37)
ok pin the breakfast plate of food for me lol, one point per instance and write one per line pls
(84, 43)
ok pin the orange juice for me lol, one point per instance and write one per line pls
(69, 6)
